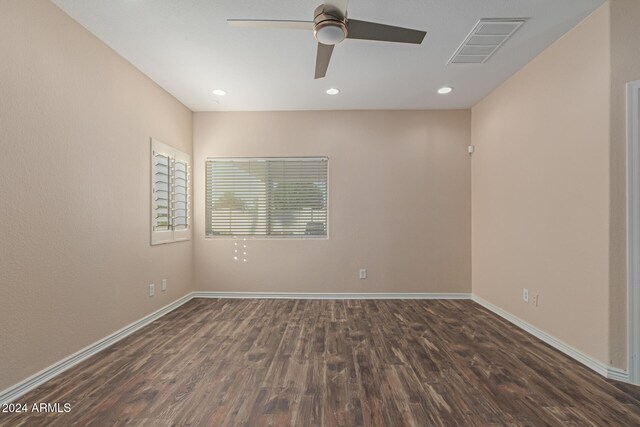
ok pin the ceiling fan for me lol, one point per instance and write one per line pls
(331, 26)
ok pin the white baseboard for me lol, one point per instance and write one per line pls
(321, 295)
(618, 374)
(46, 374)
(594, 364)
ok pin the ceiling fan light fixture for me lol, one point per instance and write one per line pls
(333, 91)
(219, 92)
(330, 32)
(445, 90)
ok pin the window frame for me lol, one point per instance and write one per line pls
(272, 236)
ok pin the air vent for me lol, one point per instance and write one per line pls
(485, 39)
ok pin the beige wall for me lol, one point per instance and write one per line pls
(75, 122)
(399, 202)
(625, 67)
(540, 190)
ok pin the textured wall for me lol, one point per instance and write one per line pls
(540, 190)
(399, 202)
(75, 122)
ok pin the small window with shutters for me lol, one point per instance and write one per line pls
(266, 197)
(170, 194)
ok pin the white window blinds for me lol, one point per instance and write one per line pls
(170, 194)
(266, 197)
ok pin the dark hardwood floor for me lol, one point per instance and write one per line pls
(332, 363)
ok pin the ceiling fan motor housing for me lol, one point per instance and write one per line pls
(329, 27)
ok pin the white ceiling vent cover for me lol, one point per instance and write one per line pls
(485, 39)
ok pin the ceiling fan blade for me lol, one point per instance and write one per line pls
(266, 23)
(364, 30)
(322, 59)
(340, 5)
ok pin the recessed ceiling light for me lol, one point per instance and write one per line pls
(333, 91)
(445, 90)
(219, 92)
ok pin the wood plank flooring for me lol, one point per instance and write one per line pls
(331, 363)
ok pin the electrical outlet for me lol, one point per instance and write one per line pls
(152, 290)
(525, 295)
(164, 285)
(535, 300)
(363, 273)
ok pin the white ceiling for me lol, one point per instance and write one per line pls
(188, 49)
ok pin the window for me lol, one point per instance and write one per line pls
(266, 197)
(170, 194)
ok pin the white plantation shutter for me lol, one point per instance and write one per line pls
(181, 196)
(170, 194)
(267, 197)
(161, 189)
